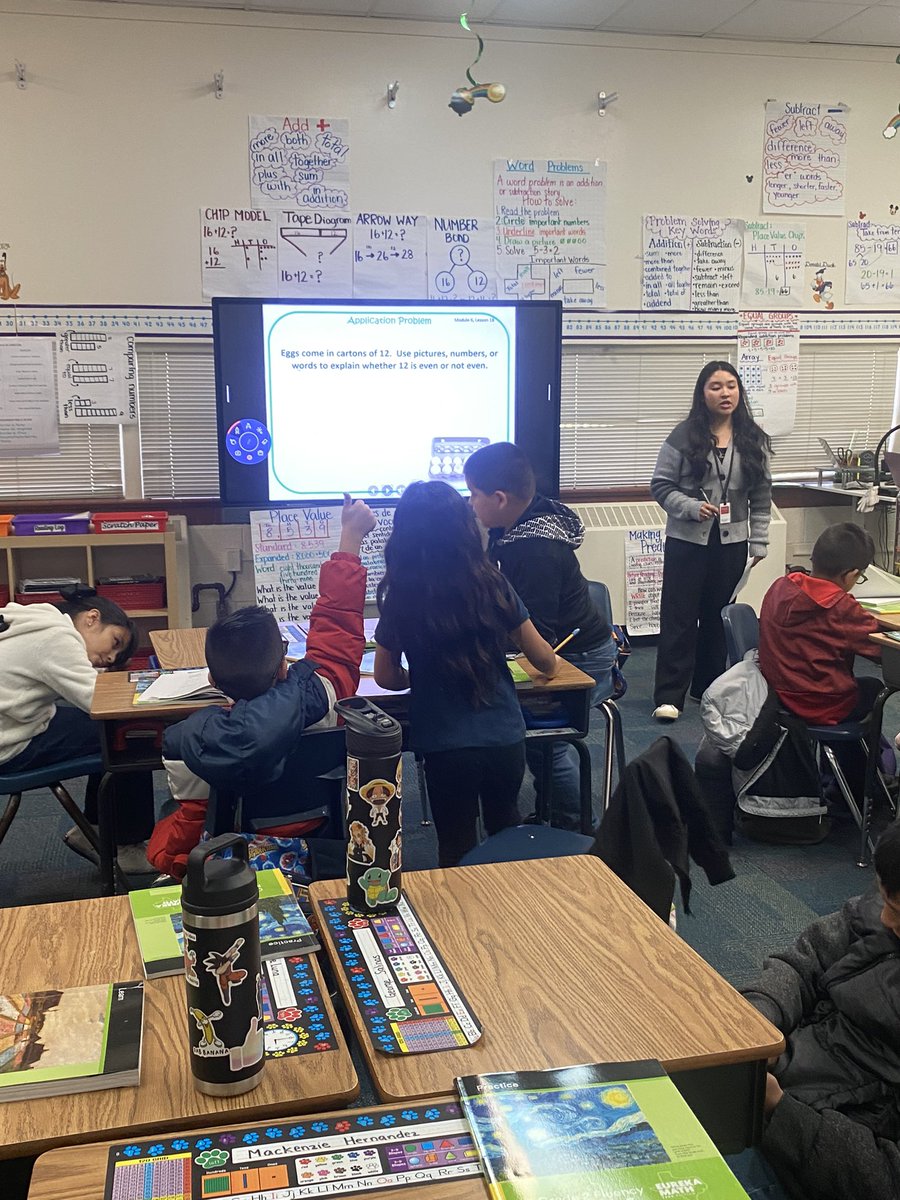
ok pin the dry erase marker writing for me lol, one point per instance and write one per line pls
(566, 640)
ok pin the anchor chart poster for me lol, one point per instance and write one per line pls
(300, 161)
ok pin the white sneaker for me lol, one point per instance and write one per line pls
(666, 712)
(133, 860)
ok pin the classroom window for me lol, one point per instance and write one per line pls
(177, 394)
(619, 402)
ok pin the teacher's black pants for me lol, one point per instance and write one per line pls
(698, 581)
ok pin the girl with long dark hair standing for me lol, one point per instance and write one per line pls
(712, 478)
(451, 612)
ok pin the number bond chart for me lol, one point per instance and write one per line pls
(408, 1000)
(355, 1151)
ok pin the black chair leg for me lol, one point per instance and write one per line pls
(12, 807)
(75, 813)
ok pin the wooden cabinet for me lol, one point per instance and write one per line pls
(90, 556)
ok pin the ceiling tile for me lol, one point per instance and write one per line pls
(792, 21)
(557, 14)
(673, 16)
(326, 8)
(430, 10)
(877, 26)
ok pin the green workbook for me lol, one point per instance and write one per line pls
(283, 928)
(78, 1039)
(614, 1131)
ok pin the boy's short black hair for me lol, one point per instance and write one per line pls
(501, 467)
(841, 548)
(243, 652)
(887, 859)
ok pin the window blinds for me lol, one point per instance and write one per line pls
(89, 463)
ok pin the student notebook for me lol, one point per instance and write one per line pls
(171, 686)
(81, 1039)
(610, 1130)
(156, 912)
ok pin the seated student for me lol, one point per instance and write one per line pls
(534, 540)
(452, 614)
(810, 629)
(50, 654)
(252, 748)
(833, 1097)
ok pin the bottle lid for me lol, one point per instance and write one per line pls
(370, 731)
(213, 886)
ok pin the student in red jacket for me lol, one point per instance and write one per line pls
(252, 749)
(810, 630)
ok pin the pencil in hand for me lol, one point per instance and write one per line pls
(575, 632)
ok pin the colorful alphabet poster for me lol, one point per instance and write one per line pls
(461, 262)
(405, 994)
(873, 263)
(389, 256)
(303, 162)
(774, 258)
(358, 1150)
(769, 364)
(550, 230)
(691, 263)
(804, 158)
(95, 378)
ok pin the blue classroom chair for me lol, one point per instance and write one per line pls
(15, 783)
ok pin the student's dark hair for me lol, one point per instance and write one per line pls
(751, 443)
(887, 859)
(77, 600)
(441, 593)
(243, 652)
(840, 548)
(501, 467)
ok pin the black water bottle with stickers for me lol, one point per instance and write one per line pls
(220, 922)
(374, 798)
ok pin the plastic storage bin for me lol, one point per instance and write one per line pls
(4, 595)
(130, 522)
(134, 592)
(5, 524)
(30, 524)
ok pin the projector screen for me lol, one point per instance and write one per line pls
(318, 398)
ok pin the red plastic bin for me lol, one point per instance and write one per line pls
(4, 595)
(135, 595)
(38, 598)
(130, 522)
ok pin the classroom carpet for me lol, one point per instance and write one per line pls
(777, 891)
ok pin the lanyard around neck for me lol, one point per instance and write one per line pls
(724, 480)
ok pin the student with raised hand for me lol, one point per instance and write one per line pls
(49, 658)
(712, 478)
(832, 1102)
(451, 613)
(533, 540)
(252, 749)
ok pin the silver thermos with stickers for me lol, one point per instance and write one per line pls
(374, 798)
(220, 923)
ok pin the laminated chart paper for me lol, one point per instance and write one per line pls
(96, 378)
(804, 158)
(28, 417)
(643, 580)
(461, 264)
(774, 259)
(769, 363)
(303, 162)
(691, 263)
(550, 217)
(389, 256)
(873, 263)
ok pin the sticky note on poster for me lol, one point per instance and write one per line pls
(643, 580)
(302, 162)
(289, 547)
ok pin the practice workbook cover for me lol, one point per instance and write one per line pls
(605, 1131)
(283, 927)
(79, 1039)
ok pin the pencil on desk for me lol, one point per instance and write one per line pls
(575, 632)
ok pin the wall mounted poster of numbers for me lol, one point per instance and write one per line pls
(294, 1158)
(405, 994)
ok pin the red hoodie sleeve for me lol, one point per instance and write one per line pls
(336, 640)
(856, 625)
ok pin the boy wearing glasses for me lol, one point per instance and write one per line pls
(811, 628)
(252, 748)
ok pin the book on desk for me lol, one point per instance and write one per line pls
(171, 686)
(78, 1039)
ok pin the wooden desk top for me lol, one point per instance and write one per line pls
(114, 699)
(88, 941)
(551, 992)
(79, 1173)
(178, 648)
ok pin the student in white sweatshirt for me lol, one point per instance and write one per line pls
(49, 658)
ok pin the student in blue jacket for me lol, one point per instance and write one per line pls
(712, 478)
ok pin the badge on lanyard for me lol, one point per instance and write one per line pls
(725, 513)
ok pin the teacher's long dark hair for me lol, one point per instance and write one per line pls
(750, 441)
(440, 592)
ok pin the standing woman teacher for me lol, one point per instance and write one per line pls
(712, 478)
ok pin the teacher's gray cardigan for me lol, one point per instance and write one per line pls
(676, 489)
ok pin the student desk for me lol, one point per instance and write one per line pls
(79, 1173)
(562, 964)
(89, 941)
